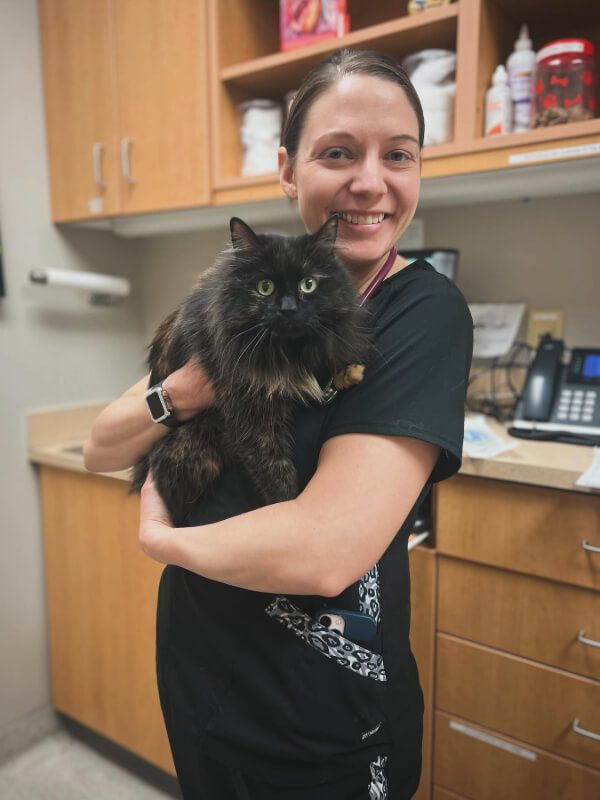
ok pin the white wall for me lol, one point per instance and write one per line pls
(55, 349)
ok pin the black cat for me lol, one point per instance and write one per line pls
(272, 321)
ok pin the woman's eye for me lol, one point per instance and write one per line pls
(399, 155)
(334, 153)
(265, 287)
(308, 285)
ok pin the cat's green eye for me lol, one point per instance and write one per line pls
(265, 287)
(308, 285)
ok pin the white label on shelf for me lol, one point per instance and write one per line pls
(493, 740)
(556, 153)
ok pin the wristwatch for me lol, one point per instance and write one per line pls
(160, 406)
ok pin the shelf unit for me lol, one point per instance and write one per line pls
(481, 31)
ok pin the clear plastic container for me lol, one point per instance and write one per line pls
(565, 83)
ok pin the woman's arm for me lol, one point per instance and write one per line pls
(124, 432)
(318, 544)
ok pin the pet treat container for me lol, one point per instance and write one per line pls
(565, 81)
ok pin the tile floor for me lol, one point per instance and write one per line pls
(65, 767)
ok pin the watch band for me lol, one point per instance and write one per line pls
(160, 407)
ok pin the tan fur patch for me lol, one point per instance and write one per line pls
(350, 376)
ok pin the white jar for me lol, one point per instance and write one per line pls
(260, 135)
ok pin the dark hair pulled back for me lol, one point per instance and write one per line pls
(332, 69)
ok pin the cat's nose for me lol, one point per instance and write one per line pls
(288, 304)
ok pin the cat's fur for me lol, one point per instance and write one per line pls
(263, 355)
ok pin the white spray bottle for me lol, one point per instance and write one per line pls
(498, 104)
(521, 76)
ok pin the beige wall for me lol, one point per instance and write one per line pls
(544, 252)
(55, 349)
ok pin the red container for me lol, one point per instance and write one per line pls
(565, 83)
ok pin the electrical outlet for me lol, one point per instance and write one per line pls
(544, 320)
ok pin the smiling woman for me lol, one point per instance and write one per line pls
(352, 145)
(260, 699)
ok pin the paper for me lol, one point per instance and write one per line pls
(591, 477)
(495, 327)
(480, 440)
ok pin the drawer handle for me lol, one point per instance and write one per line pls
(416, 540)
(583, 732)
(581, 637)
(590, 547)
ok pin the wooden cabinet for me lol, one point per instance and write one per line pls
(422, 641)
(101, 593)
(482, 32)
(133, 86)
(81, 118)
(517, 689)
(126, 105)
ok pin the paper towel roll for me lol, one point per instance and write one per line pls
(94, 282)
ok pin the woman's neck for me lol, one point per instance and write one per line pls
(363, 278)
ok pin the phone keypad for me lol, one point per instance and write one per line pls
(577, 405)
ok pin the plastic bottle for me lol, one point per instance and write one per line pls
(521, 75)
(498, 104)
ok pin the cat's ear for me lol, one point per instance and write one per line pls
(327, 233)
(242, 235)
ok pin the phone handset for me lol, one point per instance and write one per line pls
(542, 379)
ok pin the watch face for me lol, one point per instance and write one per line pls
(155, 405)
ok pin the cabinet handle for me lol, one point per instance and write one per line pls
(590, 547)
(125, 145)
(420, 537)
(581, 637)
(97, 150)
(582, 731)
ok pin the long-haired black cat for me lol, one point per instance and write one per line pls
(272, 317)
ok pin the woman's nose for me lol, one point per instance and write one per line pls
(368, 178)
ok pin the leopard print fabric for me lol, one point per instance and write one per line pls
(330, 644)
(368, 594)
(378, 785)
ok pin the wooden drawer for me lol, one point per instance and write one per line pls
(482, 764)
(522, 528)
(532, 702)
(531, 617)
(444, 794)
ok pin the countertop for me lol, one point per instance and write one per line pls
(55, 438)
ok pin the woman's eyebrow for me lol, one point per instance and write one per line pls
(347, 135)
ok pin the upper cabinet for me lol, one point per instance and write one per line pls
(143, 96)
(482, 32)
(126, 105)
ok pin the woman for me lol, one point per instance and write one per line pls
(260, 701)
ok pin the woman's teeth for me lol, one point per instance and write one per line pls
(355, 219)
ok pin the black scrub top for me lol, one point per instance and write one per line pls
(252, 677)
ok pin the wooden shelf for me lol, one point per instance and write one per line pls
(273, 75)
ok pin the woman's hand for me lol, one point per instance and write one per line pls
(189, 389)
(156, 531)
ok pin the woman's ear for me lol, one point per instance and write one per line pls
(286, 174)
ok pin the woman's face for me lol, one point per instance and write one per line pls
(359, 156)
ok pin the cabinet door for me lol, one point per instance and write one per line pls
(101, 592)
(162, 96)
(80, 111)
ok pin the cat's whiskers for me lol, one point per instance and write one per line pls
(239, 358)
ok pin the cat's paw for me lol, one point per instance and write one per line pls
(350, 376)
